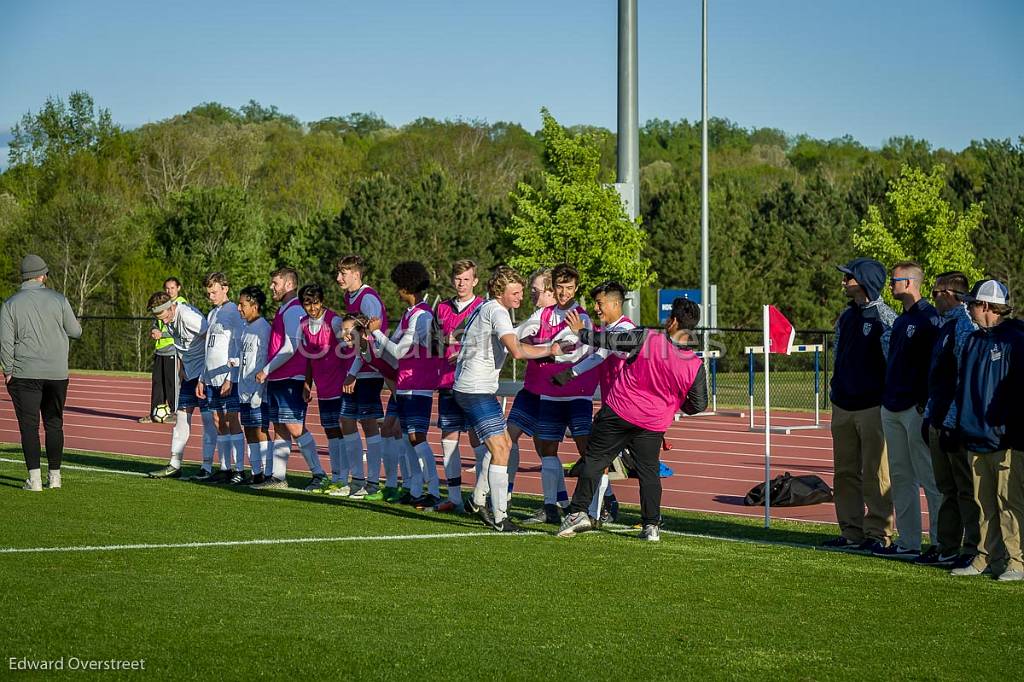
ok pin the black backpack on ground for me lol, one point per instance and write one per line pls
(791, 491)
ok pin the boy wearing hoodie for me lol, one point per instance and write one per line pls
(988, 421)
(860, 349)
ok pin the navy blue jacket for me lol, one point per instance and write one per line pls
(859, 350)
(990, 392)
(943, 370)
(910, 351)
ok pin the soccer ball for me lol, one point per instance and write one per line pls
(161, 412)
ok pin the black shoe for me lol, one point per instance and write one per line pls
(257, 479)
(482, 512)
(166, 472)
(201, 476)
(222, 476)
(611, 506)
(840, 542)
(239, 478)
(870, 546)
(549, 513)
(427, 503)
(405, 498)
(963, 561)
(896, 552)
(933, 557)
(506, 526)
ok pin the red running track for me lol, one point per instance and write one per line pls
(716, 459)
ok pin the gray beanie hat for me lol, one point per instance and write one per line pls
(33, 266)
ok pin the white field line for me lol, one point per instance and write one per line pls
(244, 543)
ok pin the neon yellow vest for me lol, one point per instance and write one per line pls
(165, 341)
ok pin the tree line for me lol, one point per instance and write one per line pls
(114, 211)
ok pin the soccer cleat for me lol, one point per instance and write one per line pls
(575, 522)
(33, 486)
(339, 491)
(1008, 576)
(222, 476)
(405, 498)
(272, 483)
(450, 507)
(426, 503)
(374, 494)
(896, 552)
(257, 479)
(650, 533)
(166, 472)
(358, 491)
(314, 484)
(201, 476)
(239, 478)
(549, 513)
(482, 512)
(146, 420)
(507, 526)
(390, 494)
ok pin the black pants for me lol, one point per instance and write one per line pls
(32, 397)
(959, 523)
(610, 435)
(162, 392)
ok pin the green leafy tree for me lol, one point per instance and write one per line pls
(573, 215)
(918, 224)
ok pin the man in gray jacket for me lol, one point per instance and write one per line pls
(35, 325)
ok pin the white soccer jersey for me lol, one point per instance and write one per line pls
(223, 334)
(252, 358)
(483, 354)
(188, 329)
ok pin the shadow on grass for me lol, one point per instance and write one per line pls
(738, 528)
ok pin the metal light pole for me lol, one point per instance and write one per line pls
(628, 162)
(705, 289)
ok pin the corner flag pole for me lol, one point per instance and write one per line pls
(767, 427)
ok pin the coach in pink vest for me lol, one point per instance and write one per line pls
(661, 376)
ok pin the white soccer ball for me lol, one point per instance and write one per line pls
(161, 412)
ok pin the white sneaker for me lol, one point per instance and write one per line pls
(53, 479)
(1007, 576)
(33, 485)
(650, 533)
(967, 571)
(358, 493)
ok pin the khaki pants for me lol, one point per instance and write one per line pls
(959, 513)
(999, 488)
(861, 475)
(910, 470)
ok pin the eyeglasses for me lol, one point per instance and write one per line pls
(938, 292)
(893, 280)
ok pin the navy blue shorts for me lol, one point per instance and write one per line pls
(258, 417)
(330, 413)
(217, 403)
(286, 403)
(483, 414)
(364, 402)
(525, 412)
(450, 417)
(414, 412)
(187, 399)
(557, 415)
(394, 409)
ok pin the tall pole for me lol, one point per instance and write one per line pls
(705, 289)
(628, 162)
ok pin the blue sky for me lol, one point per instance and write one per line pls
(945, 71)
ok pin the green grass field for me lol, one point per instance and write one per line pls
(371, 591)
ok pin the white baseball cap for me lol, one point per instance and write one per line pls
(988, 291)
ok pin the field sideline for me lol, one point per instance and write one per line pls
(204, 580)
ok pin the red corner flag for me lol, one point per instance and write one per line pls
(780, 332)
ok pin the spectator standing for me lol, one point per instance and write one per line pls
(35, 326)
